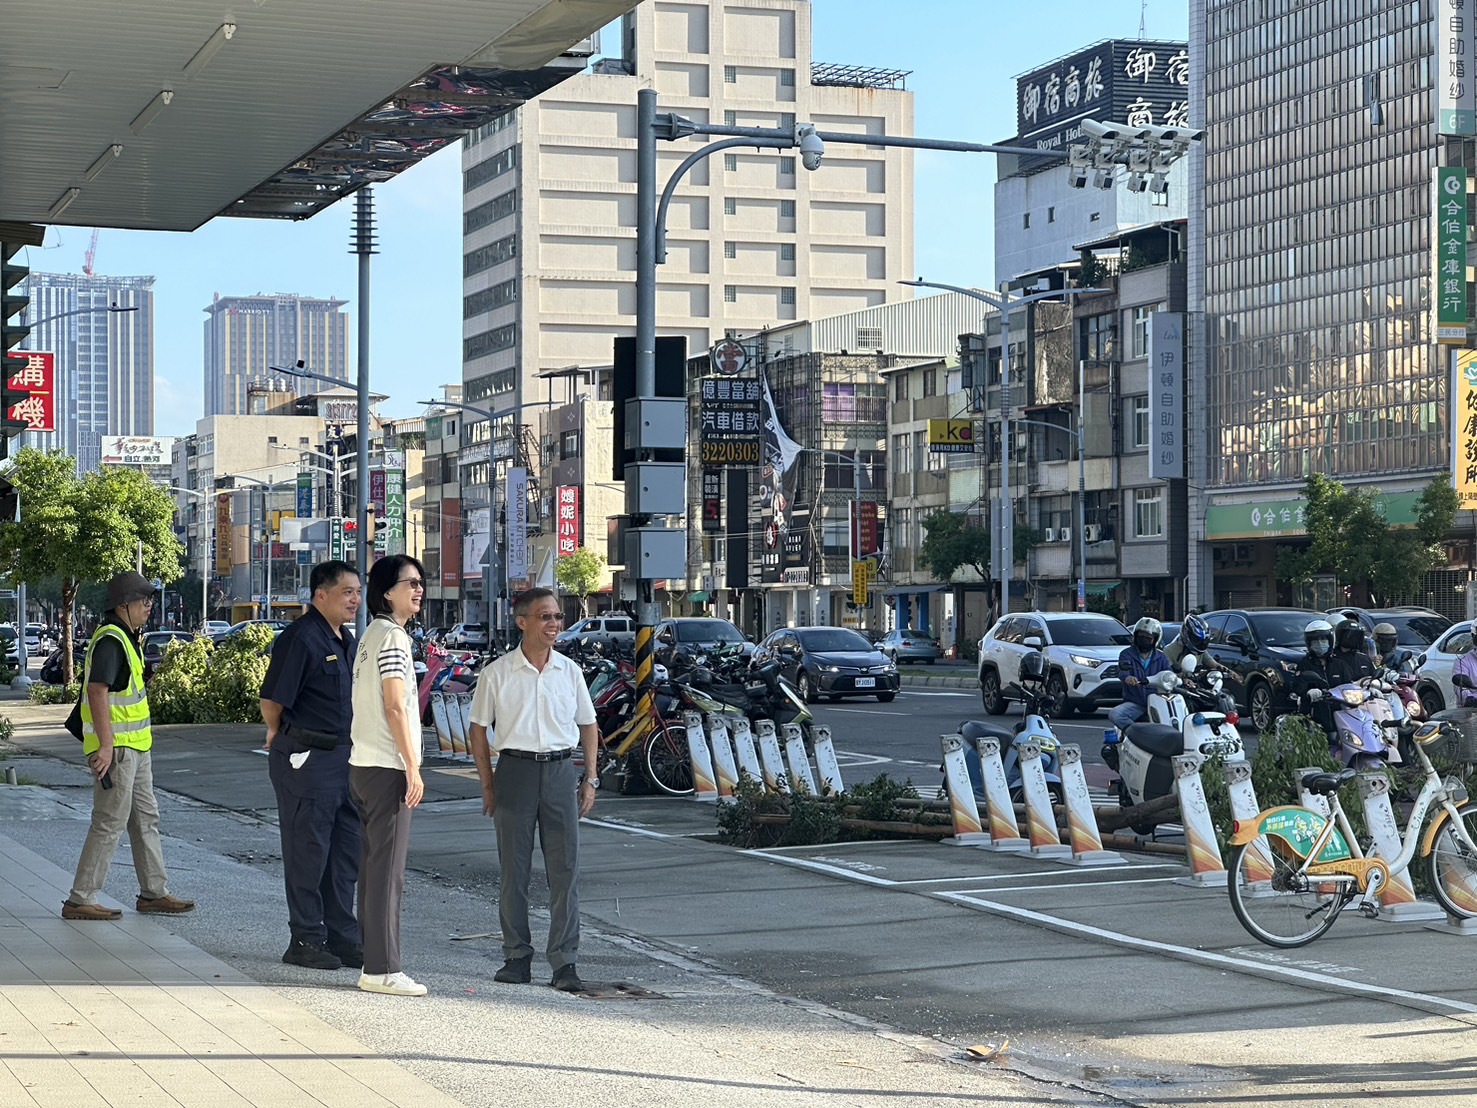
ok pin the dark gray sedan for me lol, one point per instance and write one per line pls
(908, 644)
(830, 661)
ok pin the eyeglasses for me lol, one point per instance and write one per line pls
(413, 582)
(547, 617)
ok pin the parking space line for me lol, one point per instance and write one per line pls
(1067, 885)
(1049, 873)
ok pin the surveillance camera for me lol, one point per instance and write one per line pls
(1105, 132)
(812, 149)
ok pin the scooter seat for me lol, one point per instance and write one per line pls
(1157, 739)
(1324, 784)
(972, 729)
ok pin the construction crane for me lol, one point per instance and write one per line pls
(91, 254)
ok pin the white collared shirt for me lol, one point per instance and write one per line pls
(532, 710)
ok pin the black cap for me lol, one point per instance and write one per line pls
(127, 587)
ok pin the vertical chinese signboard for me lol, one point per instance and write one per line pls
(451, 543)
(730, 421)
(304, 496)
(394, 517)
(38, 378)
(1449, 209)
(570, 532)
(1456, 100)
(223, 534)
(1464, 428)
(864, 542)
(712, 499)
(377, 510)
(1166, 395)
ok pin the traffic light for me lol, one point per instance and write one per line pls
(12, 334)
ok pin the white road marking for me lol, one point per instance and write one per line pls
(1048, 873)
(1066, 885)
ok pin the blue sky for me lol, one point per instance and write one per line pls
(964, 54)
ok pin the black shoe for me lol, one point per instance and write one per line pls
(310, 956)
(566, 980)
(515, 971)
(350, 954)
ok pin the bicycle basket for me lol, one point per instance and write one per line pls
(1459, 741)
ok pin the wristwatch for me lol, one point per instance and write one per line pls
(593, 782)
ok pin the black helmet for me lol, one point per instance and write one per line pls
(1319, 632)
(1033, 666)
(1348, 635)
(1196, 633)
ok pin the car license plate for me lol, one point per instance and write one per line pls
(866, 682)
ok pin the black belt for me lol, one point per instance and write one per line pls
(539, 756)
(317, 740)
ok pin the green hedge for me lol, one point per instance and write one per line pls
(198, 682)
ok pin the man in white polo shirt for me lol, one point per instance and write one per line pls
(536, 700)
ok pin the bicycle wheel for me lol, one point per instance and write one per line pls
(668, 761)
(1453, 868)
(1287, 911)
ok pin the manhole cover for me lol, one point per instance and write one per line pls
(618, 990)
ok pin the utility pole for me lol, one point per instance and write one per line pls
(363, 245)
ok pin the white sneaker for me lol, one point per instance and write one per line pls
(395, 984)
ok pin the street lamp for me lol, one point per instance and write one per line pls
(1004, 549)
(111, 309)
(204, 552)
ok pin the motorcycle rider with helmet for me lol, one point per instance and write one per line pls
(1317, 673)
(1136, 664)
(1351, 664)
(1194, 638)
(1387, 652)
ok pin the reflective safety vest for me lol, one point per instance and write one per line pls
(127, 710)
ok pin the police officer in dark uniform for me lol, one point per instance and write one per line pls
(307, 704)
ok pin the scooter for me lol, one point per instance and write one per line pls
(1206, 732)
(1366, 727)
(1033, 728)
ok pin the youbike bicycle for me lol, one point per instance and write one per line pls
(1292, 870)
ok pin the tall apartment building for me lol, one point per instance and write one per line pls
(1312, 233)
(104, 359)
(753, 238)
(244, 335)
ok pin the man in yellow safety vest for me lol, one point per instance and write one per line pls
(116, 740)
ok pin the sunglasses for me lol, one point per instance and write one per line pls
(547, 617)
(413, 582)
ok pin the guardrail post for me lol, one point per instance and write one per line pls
(772, 763)
(1082, 829)
(748, 754)
(825, 761)
(1204, 853)
(723, 762)
(1005, 834)
(962, 807)
(797, 760)
(704, 785)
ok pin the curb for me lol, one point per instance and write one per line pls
(939, 683)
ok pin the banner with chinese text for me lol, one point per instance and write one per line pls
(571, 534)
(1449, 209)
(37, 377)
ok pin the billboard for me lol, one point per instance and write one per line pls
(1464, 428)
(730, 420)
(951, 436)
(1456, 94)
(1166, 395)
(451, 543)
(477, 532)
(570, 531)
(37, 377)
(1449, 237)
(122, 450)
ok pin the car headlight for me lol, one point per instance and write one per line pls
(1084, 660)
(830, 669)
(1287, 667)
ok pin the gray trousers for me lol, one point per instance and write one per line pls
(379, 794)
(542, 796)
(129, 803)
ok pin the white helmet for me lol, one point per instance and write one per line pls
(1151, 627)
(1318, 632)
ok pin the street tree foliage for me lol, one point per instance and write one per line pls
(1350, 539)
(580, 572)
(81, 530)
(954, 541)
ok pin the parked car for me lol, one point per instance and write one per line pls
(1434, 666)
(11, 641)
(213, 627)
(275, 624)
(908, 644)
(1260, 649)
(600, 629)
(1415, 628)
(830, 661)
(466, 636)
(1081, 650)
(689, 634)
(155, 643)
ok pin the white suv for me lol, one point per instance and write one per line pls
(1081, 650)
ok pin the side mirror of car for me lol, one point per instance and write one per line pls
(1034, 642)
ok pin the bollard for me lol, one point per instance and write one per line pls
(443, 726)
(454, 725)
(1206, 867)
(1005, 835)
(10, 776)
(825, 761)
(1040, 819)
(463, 712)
(724, 765)
(797, 760)
(962, 807)
(748, 754)
(1397, 899)
(1087, 843)
(704, 785)
(1244, 806)
(772, 763)
(1318, 804)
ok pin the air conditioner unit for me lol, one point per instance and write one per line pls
(1064, 534)
(1092, 532)
(1243, 553)
(1220, 555)
(1049, 535)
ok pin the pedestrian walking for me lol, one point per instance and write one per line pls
(307, 703)
(116, 740)
(384, 766)
(536, 700)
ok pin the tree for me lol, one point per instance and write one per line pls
(1350, 538)
(580, 572)
(952, 541)
(84, 530)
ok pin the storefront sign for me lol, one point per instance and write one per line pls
(712, 500)
(377, 508)
(865, 545)
(1277, 518)
(222, 534)
(394, 516)
(951, 436)
(1449, 209)
(451, 543)
(570, 532)
(1166, 395)
(1456, 100)
(305, 496)
(1464, 424)
(517, 524)
(38, 378)
(126, 450)
(730, 422)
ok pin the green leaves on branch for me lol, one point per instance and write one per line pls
(953, 541)
(198, 682)
(580, 573)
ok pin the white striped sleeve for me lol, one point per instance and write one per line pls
(394, 659)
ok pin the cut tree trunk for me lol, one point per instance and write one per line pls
(1155, 811)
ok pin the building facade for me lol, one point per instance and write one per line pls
(104, 359)
(246, 335)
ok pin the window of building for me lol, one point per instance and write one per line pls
(1050, 215)
(838, 473)
(485, 257)
(489, 342)
(787, 166)
(920, 450)
(1148, 513)
(730, 206)
(1098, 338)
(787, 251)
(1094, 217)
(730, 119)
(730, 163)
(901, 525)
(787, 121)
(480, 303)
(730, 294)
(869, 338)
(1159, 199)
(1141, 422)
(271, 440)
(303, 440)
(900, 387)
(787, 209)
(1026, 220)
(492, 168)
(835, 535)
(900, 456)
(787, 78)
(490, 212)
(1141, 316)
(787, 297)
(730, 250)
(569, 445)
(930, 382)
(730, 74)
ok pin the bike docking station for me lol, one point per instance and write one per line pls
(724, 765)
(442, 723)
(1005, 834)
(704, 784)
(962, 807)
(747, 753)
(772, 764)
(1087, 843)
(1397, 899)
(451, 715)
(1244, 807)
(825, 761)
(1040, 816)
(1202, 851)
(799, 763)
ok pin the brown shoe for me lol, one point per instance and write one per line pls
(89, 911)
(164, 906)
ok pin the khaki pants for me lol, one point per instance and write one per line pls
(129, 803)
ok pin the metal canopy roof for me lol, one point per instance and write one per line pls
(302, 103)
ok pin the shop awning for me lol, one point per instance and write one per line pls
(1101, 588)
(910, 590)
(697, 598)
